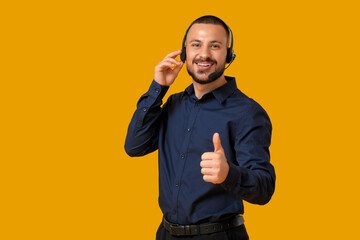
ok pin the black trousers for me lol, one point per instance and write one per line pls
(238, 233)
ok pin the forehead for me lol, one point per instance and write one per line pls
(207, 32)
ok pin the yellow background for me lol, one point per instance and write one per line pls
(72, 71)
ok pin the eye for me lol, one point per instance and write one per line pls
(215, 46)
(196, 45)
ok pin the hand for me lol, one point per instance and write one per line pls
(214, 165)
(167, 70)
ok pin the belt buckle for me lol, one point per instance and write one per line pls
(187, 230)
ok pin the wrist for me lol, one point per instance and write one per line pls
(162, 83)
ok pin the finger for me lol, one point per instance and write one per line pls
(209, 178)
(207, 171)
(165, 65)
(171, 60)
(217, 142)
(208, 156)
(178, 68)
(206, 164)
(174, 54)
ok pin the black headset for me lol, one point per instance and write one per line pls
(230, 55)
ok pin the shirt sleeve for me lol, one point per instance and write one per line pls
(143, 131)
(251, 176)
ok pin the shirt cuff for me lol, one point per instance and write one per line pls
(157, 90)
(232, 178)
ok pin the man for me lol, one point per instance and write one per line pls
(213, 140)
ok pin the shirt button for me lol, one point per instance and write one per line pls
(144, 109)
(157, 90)
(188, 129)
(182, 156)
(177, 185)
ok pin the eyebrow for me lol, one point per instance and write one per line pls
(214, 41)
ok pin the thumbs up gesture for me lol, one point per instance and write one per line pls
(214, 165)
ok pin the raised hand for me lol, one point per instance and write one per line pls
(168, 69)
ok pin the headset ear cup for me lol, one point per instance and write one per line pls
(229, 55)
(183, 54)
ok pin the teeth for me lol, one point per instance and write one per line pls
(204, 65)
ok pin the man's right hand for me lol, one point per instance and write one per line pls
(168, 69)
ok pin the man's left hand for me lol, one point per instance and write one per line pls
(214, 165)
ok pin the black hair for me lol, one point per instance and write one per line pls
(208, 19)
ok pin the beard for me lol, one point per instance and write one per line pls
(211, 76)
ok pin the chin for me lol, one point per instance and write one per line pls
(203, 80)
(201, 76)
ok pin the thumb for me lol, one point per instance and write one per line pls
(217, 143)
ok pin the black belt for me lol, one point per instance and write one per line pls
(205, 228)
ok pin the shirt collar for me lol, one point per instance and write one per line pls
(221, 93)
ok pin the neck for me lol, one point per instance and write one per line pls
(202, 89)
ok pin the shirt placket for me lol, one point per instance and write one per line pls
(183, 155)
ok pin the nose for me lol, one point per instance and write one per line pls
(205, 53)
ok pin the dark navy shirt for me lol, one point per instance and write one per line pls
(182, 130)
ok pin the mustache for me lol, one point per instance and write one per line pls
(209, 60)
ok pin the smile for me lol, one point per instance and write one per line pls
(204, 65)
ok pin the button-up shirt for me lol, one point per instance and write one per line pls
(182, 130)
